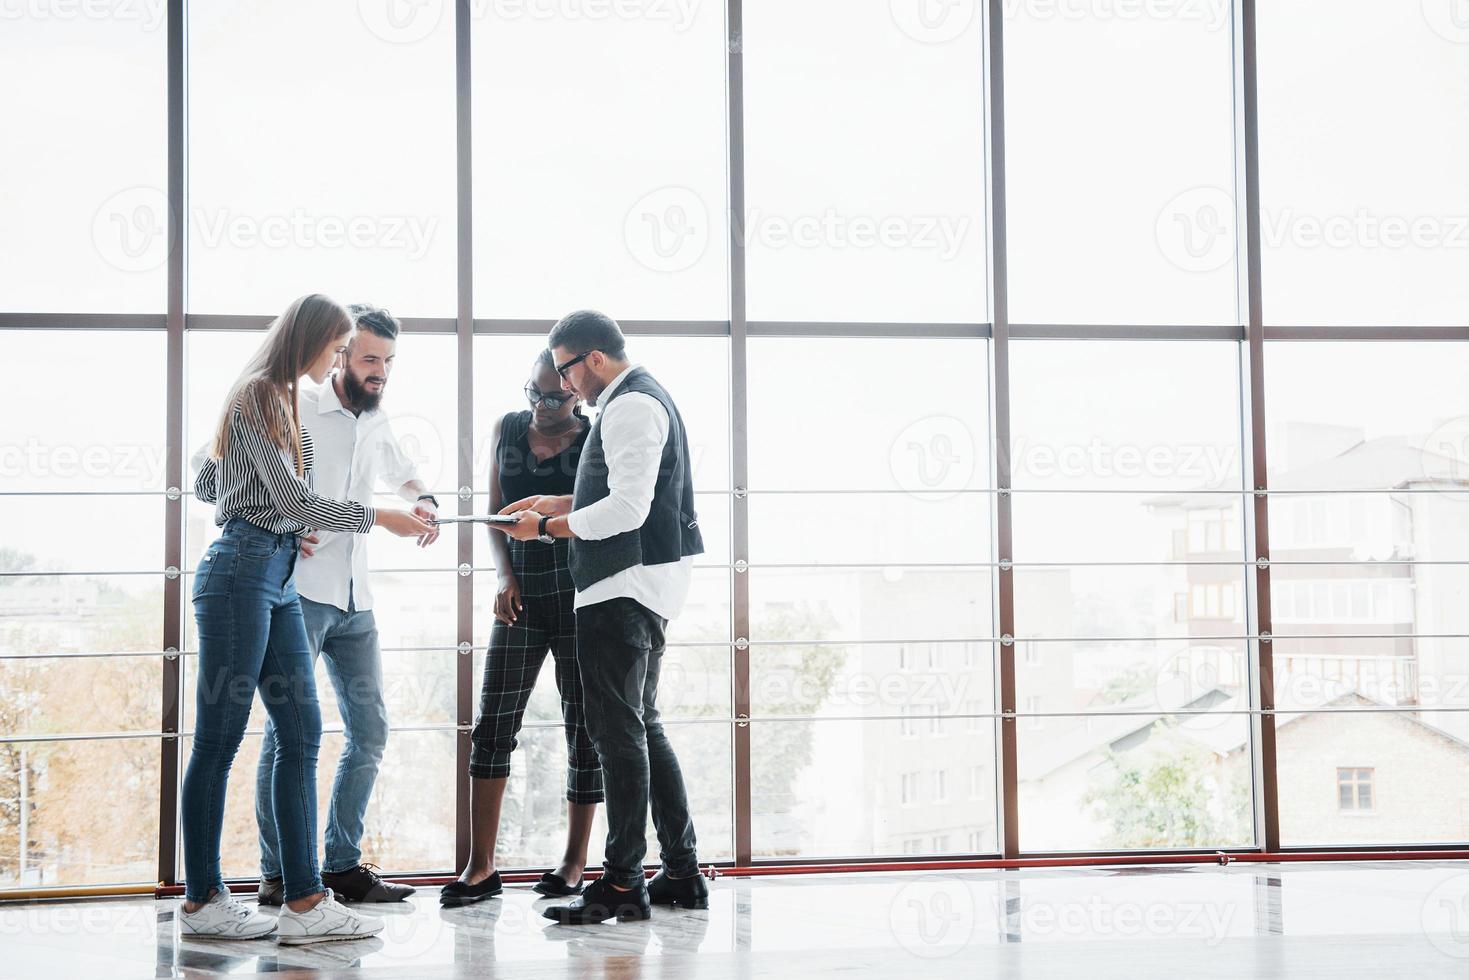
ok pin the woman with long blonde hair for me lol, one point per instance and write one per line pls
(252, 636)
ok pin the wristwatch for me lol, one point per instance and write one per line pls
(542, 534)
(430, 497)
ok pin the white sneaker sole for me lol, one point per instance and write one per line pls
(325, 938)
(219, 936)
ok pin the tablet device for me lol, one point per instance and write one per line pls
(477, 519)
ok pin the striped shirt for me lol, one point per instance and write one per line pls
(257, 481)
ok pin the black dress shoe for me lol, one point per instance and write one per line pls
(599, 902)
(457, 893)
(691, 892)
(272, 891)
(556, 887)
(364, 884)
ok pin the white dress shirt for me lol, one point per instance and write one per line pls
(634, 429)
(354, 453)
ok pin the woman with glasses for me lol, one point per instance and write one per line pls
(536, 453)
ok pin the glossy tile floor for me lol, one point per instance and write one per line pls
(1392, 918)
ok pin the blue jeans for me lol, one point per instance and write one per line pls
(348, 640)
(251, 637)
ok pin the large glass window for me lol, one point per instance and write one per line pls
(864, 162)
(1369, 498)
(321, 158)
(841, 642)
(870, 596)
(87, 223)
(1364, 125)
(1129, 595)
(1120, 185)
(599, 160)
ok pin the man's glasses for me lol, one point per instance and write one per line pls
(536, 397)
(561, 369)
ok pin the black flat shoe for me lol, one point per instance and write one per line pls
(690, 893)
(600, 902)
(555, 886)
(457, 893)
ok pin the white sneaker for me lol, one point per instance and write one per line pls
(329, 919)
(224, 918)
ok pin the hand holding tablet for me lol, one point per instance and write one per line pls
(477, 519)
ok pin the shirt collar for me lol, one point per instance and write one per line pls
(607, 391)
(328, 402)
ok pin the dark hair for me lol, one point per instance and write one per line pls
(375, 319)
(587, 330)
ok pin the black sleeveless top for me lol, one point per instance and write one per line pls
(521, 474)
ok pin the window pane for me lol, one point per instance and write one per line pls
(82, 410)
(1119, 187)
(890, 603)
(1153, 466)
(79, 695)
(924, 681)
(864, 163)
(1139, 415)
(949, 529)
(331, 170)
(1350, 596)
(1162, 675)
(1353, 230)
(70, 839)
(43, 615)
(867, 414)
(599, 160)
(85, 90)
(1136, 782)
(855, 788)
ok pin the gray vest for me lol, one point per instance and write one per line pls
(671, 531)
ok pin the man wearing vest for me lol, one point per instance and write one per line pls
(633, 536)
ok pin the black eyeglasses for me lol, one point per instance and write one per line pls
(537, 396)
(561, 369)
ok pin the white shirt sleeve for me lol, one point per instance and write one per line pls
(397, 468)
(634, 429)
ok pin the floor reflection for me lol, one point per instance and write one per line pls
(1193, 921)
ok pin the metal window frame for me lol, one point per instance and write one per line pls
(1251, 334)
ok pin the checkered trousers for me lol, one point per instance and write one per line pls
(517, 650)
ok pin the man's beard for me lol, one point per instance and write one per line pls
(359, 398)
